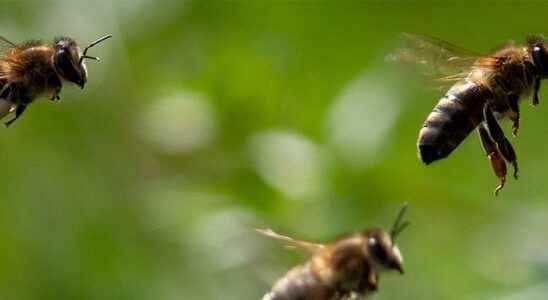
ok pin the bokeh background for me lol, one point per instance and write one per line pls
(205, 120)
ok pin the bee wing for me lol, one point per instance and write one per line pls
(6, 45)
(291, 242)
(439, 61)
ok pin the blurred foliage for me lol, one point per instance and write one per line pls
(207, 119)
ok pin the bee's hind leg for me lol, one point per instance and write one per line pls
(513, 100)
(497, 162)
(496, 133)
(19, 110)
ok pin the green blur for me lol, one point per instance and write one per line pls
(110, 195)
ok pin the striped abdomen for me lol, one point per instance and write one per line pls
(454, 117)
(300, 284)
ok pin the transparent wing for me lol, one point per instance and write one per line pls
(291, 242)
(6, 45)
(437, 60)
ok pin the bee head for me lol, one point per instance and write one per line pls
(385, 253)
(381, 245)
(69, 59)
(539, 53)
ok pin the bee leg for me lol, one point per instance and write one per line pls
(496, 133)
(536, 88)
(18, 112)
(513, 100)
(372, 281)
(5, 91)
(55, 95)
(497, 162)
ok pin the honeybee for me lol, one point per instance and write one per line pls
(486, 88)
(344, 269)
(35, 68)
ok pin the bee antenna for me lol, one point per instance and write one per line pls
(91, 57)
(398, 227)
(97, 41)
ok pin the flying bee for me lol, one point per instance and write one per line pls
(485, 89)
(344, 269)
(33, 69)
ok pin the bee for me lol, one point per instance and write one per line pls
(344, 269)
(485, 89)
(34, 68)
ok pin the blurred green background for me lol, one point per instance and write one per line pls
(206, 119)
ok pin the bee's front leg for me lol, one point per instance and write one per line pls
(54, 85)
(536, 88)
(19, 110)
(497, 162)
(513, 100)
(55, 95)
(496, 133)
(350, 296)
(372, 281)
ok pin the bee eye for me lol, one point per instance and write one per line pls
(66, 66)
(62, 60)
(540, 58)
(377, 250)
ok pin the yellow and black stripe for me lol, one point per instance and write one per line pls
(454, 117)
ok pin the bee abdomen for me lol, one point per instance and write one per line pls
(299, 284)
(453, 118)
